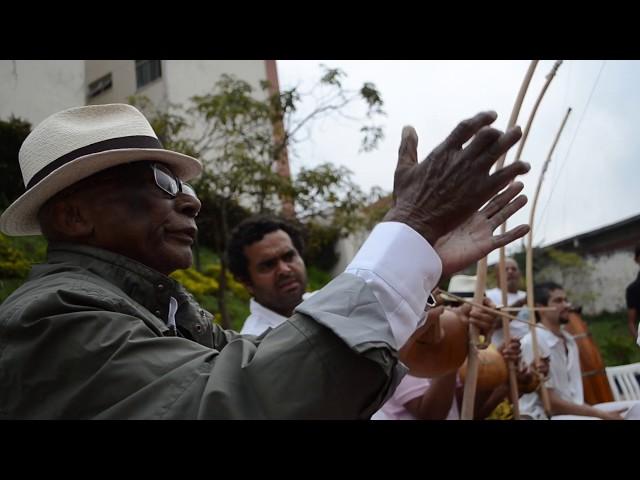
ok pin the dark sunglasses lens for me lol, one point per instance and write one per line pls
(164, 180)
(188, 190)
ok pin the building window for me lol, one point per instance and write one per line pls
(147, 71)
(99, 86)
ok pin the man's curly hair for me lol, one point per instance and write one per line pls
(251, 230)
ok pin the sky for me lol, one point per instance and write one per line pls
(593, 173)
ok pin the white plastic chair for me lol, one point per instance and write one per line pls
(623, 381)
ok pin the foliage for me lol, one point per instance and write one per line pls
(12, 134)
(611, 334)
(244, 137)
(18, 254)
(316, 278)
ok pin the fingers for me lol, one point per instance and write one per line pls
(482, 141)
(510, 236)
(464, 309)
(512, 351)
(468, 128)
(408, 152)
(483, 320)
(506, 212)
(499, 201)
(500, 179)
(500, 146)
(435, 312)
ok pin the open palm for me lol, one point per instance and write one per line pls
(474, 238)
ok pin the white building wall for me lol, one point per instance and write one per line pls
(35, 89)
(186, 78)
(600, 287)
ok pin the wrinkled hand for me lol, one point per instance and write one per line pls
(440, 193)
(474, 239)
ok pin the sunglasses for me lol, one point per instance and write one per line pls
(168, 182)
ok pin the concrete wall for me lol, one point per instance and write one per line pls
(186, 78)
(123, 73)
(35, 89)
(600, 287)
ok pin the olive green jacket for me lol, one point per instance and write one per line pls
(90, 335)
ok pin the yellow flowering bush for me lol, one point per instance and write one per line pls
(13, 263)
(196, 283)
(236, 288)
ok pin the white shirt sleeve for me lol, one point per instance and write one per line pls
(401, 268)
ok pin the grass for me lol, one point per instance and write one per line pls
(611, 335)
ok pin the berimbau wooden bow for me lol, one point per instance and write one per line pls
(530, 300)
(502, 274)
(469, 396)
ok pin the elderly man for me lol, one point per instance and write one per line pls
(515, 298)
(100, 331)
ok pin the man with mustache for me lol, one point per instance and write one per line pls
(265, 255)
(564, 384)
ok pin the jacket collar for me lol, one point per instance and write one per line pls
(145, 285)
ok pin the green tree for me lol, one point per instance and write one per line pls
(12, 134)
(242, 137)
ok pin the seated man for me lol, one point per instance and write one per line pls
(100, 331)
(564, 384)
(515, 298)
(265, 255)
(441, 398)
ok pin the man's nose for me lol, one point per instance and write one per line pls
(188, 205)
(284, 267)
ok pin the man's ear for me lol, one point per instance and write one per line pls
(71, 219)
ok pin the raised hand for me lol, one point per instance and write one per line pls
(438, 194)
(474, 239)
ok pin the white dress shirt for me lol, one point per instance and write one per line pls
(261, 318)
(565, 376)
(401, 268)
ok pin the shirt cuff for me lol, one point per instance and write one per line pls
(402, 268)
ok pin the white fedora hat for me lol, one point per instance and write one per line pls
(76, 143)
(462, 285)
